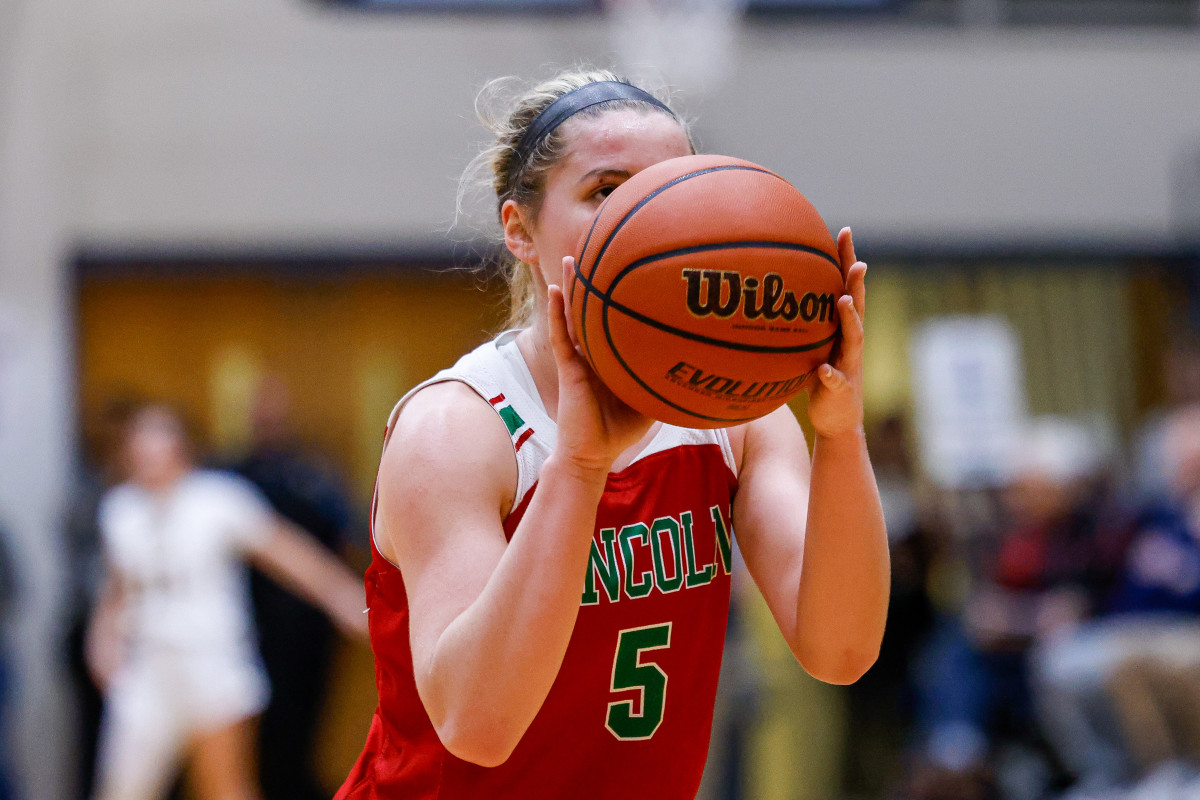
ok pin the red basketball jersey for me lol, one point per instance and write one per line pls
(630, 711)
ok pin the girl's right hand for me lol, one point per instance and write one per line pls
(594, 425)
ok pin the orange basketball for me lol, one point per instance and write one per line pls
(705, 292)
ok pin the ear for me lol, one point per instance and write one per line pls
(517, 234)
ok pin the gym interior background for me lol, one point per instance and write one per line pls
(193, 196)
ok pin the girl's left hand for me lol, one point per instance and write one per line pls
(835, 403)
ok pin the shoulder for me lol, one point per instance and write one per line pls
(121, 494)
(446, 413)
(448, 432)
(218, 488)
(213, 481)
(116, 502)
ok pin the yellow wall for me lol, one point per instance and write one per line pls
(1092, 337)
(347, 349)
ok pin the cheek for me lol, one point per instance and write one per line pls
(561, 224)
(576, 228)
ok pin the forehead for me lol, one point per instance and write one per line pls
(629, 139)
(155, 421)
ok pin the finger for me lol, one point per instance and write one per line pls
(845, 245)
(568, 285)
(850, 354)
(832, 378)
(856, 287)
(568, 278)
(560, 337)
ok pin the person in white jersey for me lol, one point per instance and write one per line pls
(172, 642)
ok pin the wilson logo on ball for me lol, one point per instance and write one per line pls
(704, 291)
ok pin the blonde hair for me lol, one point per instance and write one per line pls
(525, 182)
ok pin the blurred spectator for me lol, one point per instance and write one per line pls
(1181, 371)
(9, 596)
(296, 640)
(1123, 692)
(171, 641)
(880, 705)
(1052, 561)
(100, 470)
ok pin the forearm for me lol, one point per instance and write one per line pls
(295, 560)
(104, 639)
(844, 584)
(494, 664)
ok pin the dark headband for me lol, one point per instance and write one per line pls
(572, 103)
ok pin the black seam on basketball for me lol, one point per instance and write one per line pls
(612, 346)
(608, 302)
(673, 182)
(741, 244)
(586, 242)
(587, 348)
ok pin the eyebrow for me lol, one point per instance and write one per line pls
(605, 172)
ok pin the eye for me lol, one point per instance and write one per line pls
(604, 191)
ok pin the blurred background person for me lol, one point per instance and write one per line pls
(172, 642)
(1044, 567)
(295, 638)
(1122, 692)
(101, 468)
(10, 591)
(1181, 378)
(880, 706)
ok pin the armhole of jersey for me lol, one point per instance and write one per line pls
(727, 450)
(387, 437)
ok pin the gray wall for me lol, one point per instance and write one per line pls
(287, 122)
(226, 124)
(35, 376)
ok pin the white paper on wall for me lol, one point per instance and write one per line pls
(968, 388)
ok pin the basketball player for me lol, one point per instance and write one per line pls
(172, 644)
(550, 585)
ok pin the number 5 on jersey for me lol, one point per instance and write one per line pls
(629, 672)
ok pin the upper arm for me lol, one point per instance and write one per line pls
(771, 507)
(446, 482)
